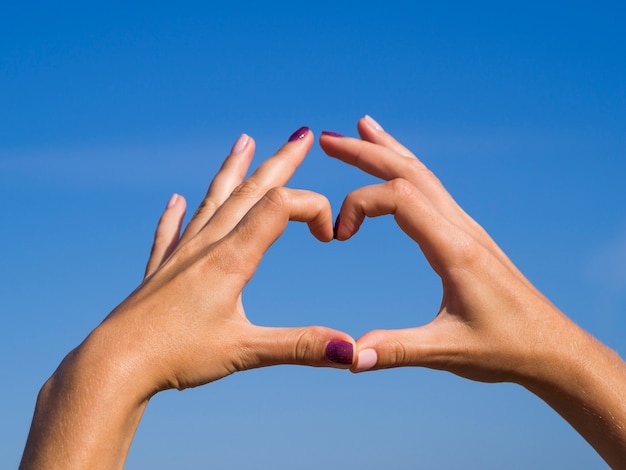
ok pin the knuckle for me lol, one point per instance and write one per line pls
(304, 344)
(416, 165)
(247, 189)
(470, 257)
(418, 168)
(278, 197)
(422, 173)
(402, 187)
(399, 355)
(208, 205)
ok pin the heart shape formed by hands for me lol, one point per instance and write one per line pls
(185, 325)
(476, 332)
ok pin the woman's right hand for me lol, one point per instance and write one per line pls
(185, 325)
(492, 325)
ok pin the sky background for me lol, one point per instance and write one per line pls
(107, 108)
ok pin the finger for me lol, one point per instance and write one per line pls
(230, 175)
(311, 346)
(167, 233)
(382, 162)
(372, 158)
(442, 242)
(265, 222)
(278, 169)
(425, 346)
(386, 163)
(274, 172)
(371, 131)
(443, 344)
(446, 244)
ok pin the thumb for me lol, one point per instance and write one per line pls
(423, 346)
(315, 346)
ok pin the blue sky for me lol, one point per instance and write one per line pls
(108, 108)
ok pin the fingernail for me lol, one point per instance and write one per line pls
(299, 134)
(331, 134)
(240, 143)
(339, 352)
(370, 120)
(367, 359)
(172, 201)
(336, 226)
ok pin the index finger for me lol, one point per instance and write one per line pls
(384, 162)
(266, 221)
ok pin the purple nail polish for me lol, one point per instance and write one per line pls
(339, 352)
(336, 226)
(299, 134)
(331, 134)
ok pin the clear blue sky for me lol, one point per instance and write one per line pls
(108, 108)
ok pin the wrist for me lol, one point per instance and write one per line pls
(585, 382)
(87, 412)
(555, 352)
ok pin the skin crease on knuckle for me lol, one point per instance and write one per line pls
(277, 199)
(403, 189)
(208, 205)
(248, 189)
(303, 346)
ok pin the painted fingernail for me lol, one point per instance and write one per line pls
(370, 120)
(339, 352)
(331, 134)
(239, 145)
(367, 359)
(336, 226)
(299, 134)
(172, 201)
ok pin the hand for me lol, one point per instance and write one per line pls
(185, 325)
(225, 240)
(493, 325)
(491, 322)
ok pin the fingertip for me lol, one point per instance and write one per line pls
(339, 352)
(172, 201)
(348, 221)
(325, 235)
(315, 346)
(298, 144)
(240, 144)
(371, 123)
(330, 134)
(240, 155)
(176, 201)
(331, 141)
(320, 226)
(336, 226)
(340, 232)
(167, 232)
(300, 134)
(368, 128)
(366, 360)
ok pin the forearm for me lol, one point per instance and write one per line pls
(86, 415)
(585, 382)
